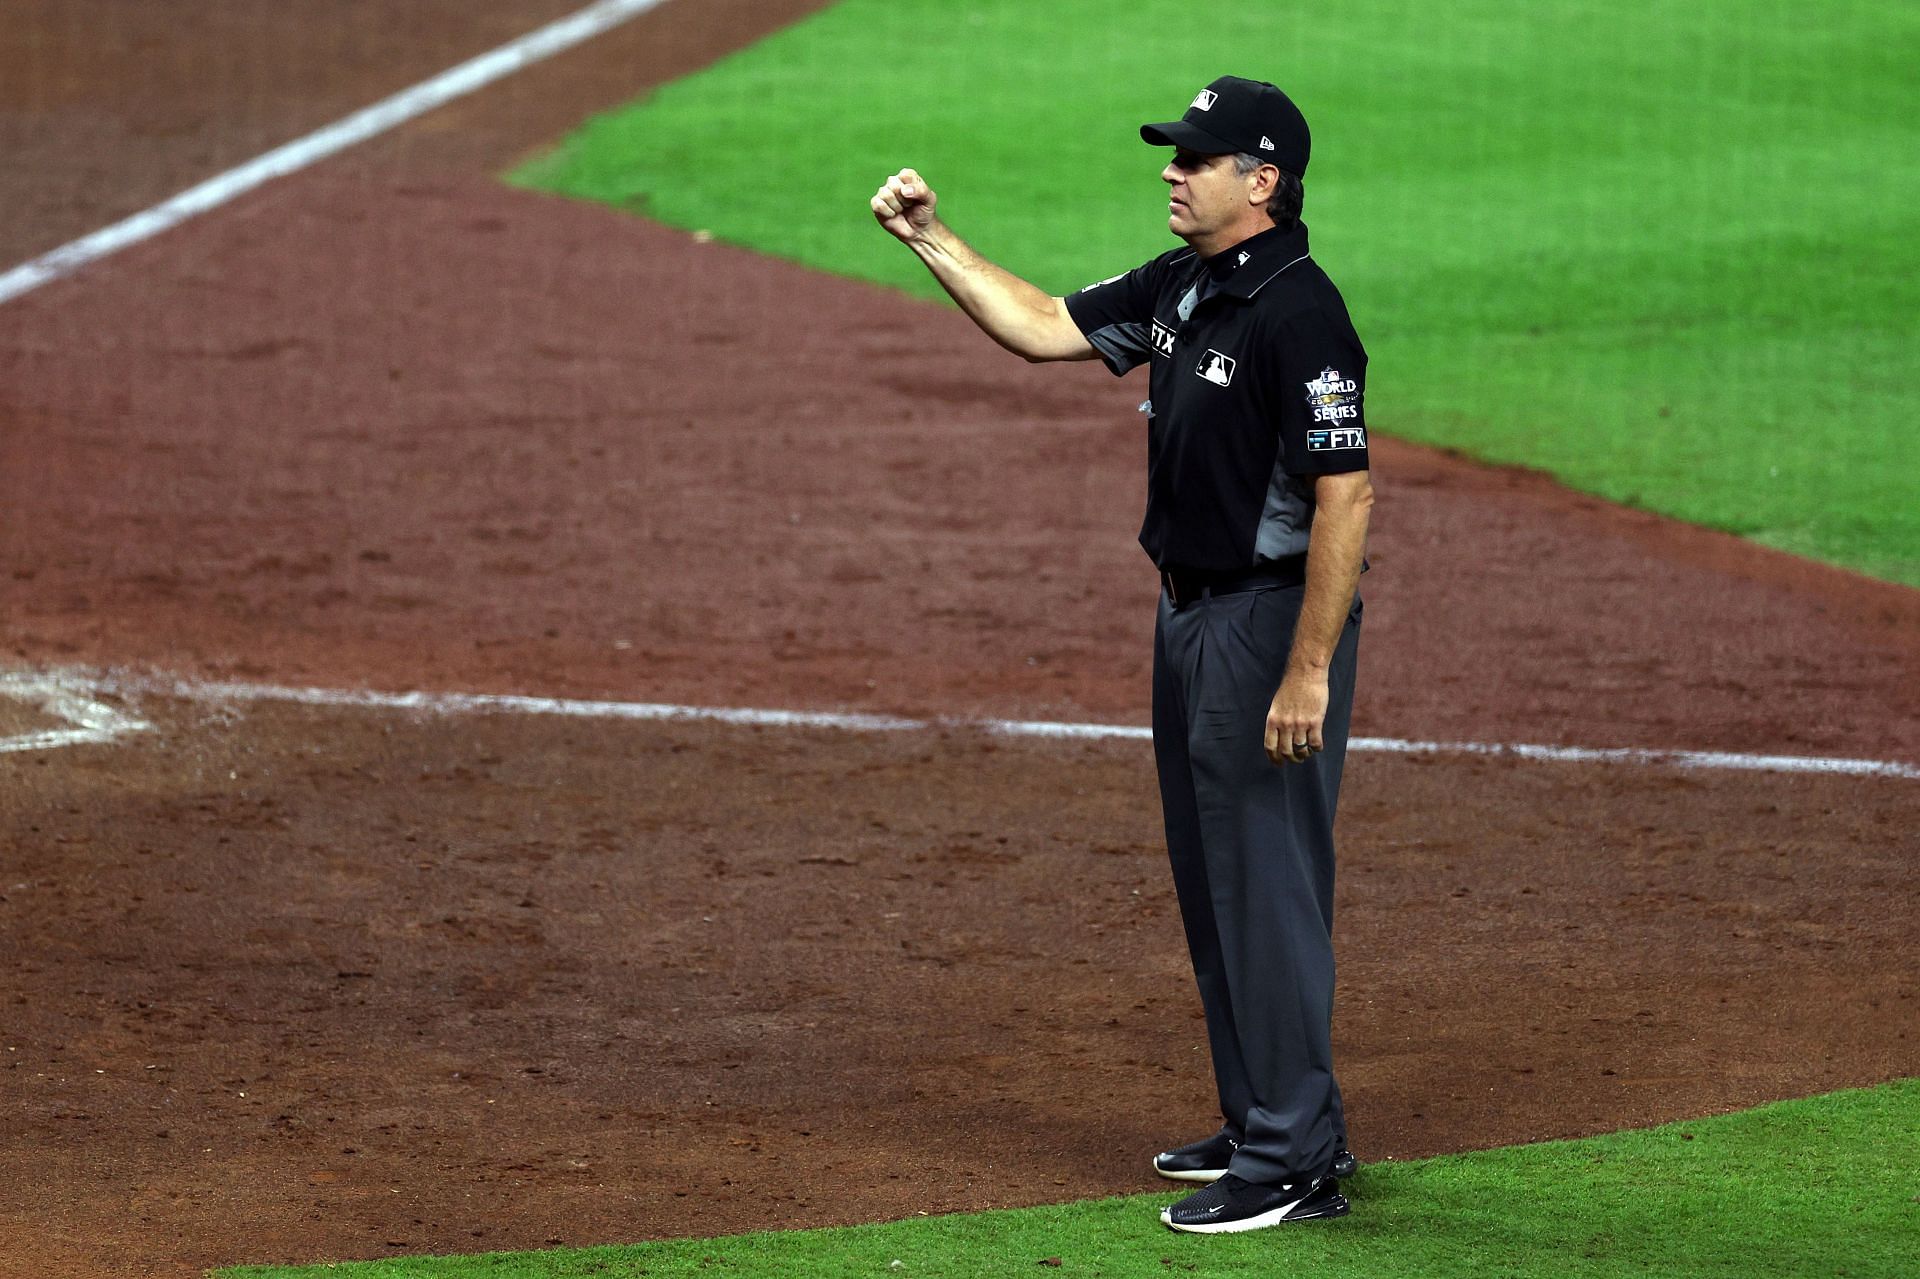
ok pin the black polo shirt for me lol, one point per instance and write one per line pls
(1256, 386)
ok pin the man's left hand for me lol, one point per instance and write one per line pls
(1294, 720)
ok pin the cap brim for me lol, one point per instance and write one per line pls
(1178, 133)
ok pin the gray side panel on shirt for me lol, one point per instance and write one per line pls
(1122, 346)
(1287, 519)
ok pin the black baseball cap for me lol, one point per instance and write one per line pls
(1232, 115)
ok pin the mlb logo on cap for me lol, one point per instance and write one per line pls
(1203, 100)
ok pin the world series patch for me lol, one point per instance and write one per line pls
(1334, 398)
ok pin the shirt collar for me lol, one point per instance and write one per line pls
(1244, 269)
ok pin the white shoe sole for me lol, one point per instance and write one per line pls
(1274, 1217)
(1205, 1176)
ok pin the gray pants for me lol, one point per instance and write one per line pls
(1251, 844)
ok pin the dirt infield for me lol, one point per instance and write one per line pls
(293, 983)
(373, 985)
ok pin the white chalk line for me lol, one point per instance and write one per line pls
(456, 82)
(132, 685)
(64, 698)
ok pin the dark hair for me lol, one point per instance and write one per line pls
(1288, 193)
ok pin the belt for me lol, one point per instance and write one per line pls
(1183, 586)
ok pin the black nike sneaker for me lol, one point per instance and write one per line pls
(1207, 1160)
(1231, 1205)
(1198, 1161)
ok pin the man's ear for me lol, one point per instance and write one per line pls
(1266, 181)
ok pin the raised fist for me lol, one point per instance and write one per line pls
(904, 205)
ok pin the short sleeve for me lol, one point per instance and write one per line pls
(1116, 315)
(1323, 389)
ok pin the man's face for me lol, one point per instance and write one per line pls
(1207, 194)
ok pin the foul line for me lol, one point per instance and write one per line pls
(467, 703)
(476, 73)
(64, 698)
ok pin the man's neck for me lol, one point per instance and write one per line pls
(1219, 242)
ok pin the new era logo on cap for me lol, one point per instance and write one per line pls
(1266, 143)
(1203, 100)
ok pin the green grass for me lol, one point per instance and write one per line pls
(1670, 253)
(1822, 1187)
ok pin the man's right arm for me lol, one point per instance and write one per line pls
(1018, 315)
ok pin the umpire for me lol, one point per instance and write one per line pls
(1257, 506)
